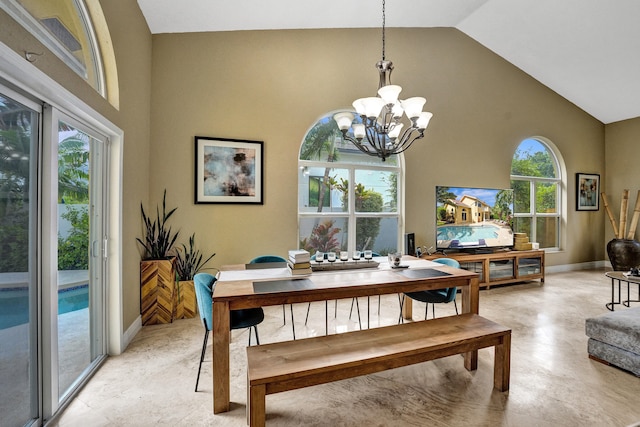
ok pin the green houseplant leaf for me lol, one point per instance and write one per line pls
(190, 260)
(159, 238)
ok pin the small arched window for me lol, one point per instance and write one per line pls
(347, 200)
(65, 27)
(537, 182)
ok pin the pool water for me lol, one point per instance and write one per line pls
(466, 233)
(14, 304)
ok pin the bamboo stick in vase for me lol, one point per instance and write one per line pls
(634, 220)
(623, 214)
(605, 202)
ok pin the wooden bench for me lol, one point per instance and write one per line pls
(282, 366)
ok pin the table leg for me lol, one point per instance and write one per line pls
(221, 340)
(626, 303)
(407, 308)
(470, 304)
(368, 313)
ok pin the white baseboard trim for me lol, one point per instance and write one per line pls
(130, 333)
(578, 266)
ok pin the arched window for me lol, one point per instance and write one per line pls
(536, 177)
(67, 29)
(347, 200)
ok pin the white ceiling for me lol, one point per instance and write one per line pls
(588, 51)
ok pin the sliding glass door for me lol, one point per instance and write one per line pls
(80, 259)
(19, 125)
(52, 274)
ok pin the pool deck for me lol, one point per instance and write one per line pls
(66, 279)
(504, 232)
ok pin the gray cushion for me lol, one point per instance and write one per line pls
(614, 355)
(618, 328)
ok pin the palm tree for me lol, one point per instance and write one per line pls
(73, 169)
(319, 141)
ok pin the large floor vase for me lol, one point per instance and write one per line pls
(624, 254)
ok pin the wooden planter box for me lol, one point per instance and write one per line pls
(185, 300)
(157, 288)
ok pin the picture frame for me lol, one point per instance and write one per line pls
(228, 170)
(587, 192)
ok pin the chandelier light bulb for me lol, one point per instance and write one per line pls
(395, 132)
(343, 120)
(423, 120)
(390, 93)
(413, 106)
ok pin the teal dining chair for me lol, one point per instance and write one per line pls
(248, 318)
(436, 296)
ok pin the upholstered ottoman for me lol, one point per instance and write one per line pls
(614, 338)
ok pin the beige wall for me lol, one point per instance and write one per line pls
(274, 85)
(621, 167)
(132, 45)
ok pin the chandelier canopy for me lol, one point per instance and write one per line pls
(381, 132)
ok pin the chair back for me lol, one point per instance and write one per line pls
(448, 261)
(204, 284)
(451, 292)
(267, 258)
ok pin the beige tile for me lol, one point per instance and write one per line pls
(552, 380)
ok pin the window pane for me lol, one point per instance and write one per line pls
(377, 234)
(323, 234)
(328, 185)
(522, 195)
(522, 225)
(547, 232)
(533, 158)
(324, 143)
(18, 361)
(376, 191)
(546, 197)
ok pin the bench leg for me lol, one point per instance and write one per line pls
(502, 364)
(471, 360)
(256, 407)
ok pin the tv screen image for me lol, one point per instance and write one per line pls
(473, 218)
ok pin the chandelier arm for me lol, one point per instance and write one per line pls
(358, 145)
(407, 143)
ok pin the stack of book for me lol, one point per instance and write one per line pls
(299, 262)
(521, 242)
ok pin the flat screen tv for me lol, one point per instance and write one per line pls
(473, 218)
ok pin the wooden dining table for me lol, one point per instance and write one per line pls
(240, 288)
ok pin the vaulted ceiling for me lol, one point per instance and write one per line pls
(588, 51)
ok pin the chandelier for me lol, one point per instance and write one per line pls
(381, 132)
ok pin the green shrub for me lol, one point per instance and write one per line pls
(73, 250)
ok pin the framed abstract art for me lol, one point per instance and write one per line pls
(228, 170)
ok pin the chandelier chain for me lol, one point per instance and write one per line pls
(383, 29)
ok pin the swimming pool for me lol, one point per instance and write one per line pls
(14, 303)
(467, 233)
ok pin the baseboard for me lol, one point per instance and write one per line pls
(131, 332)
(591, 265)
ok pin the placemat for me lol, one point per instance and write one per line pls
(423, 273)
(260, 265)
(282, 286)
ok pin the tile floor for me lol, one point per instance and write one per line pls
(553, 382)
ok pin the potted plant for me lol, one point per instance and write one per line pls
(157, 267)
(189, 261)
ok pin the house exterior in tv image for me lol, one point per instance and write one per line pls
(467, 210)
(474, 218)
